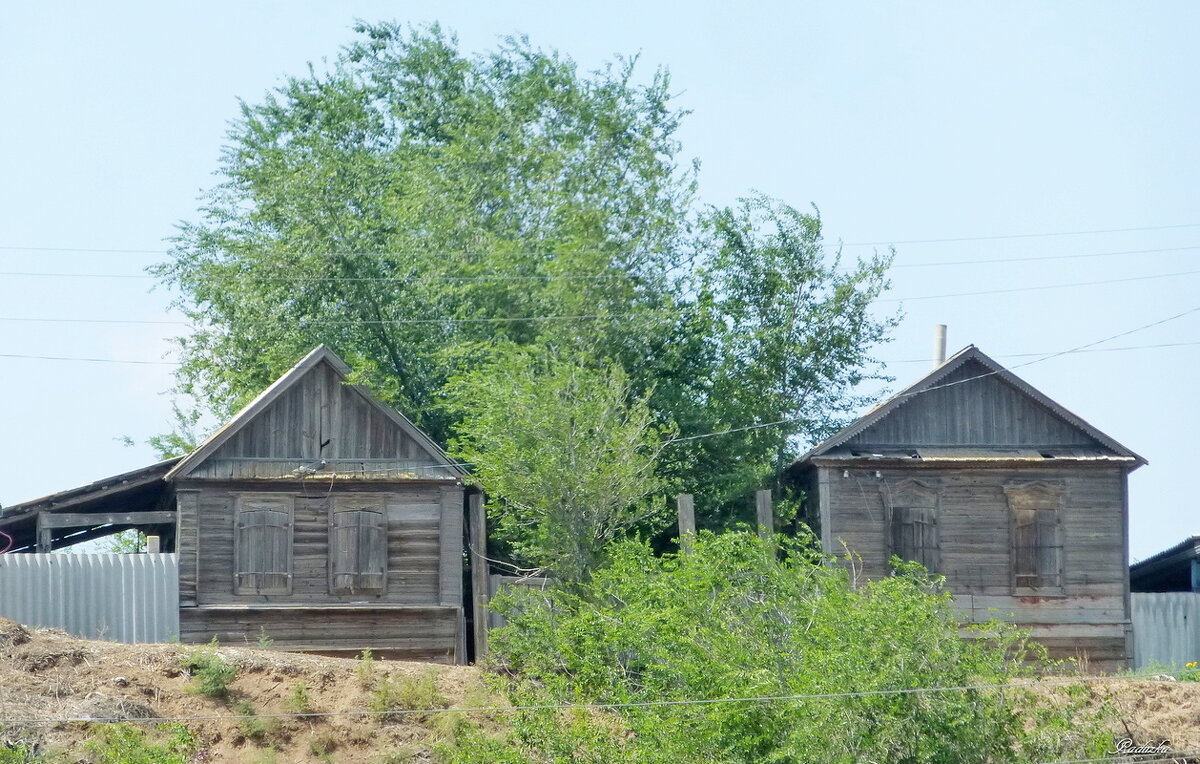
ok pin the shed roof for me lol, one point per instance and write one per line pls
(1169, 570)
(934, 380)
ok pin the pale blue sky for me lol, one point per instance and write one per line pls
(901, 121)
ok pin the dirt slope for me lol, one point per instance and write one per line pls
(47, 674)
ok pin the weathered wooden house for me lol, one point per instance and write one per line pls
(318, 516)
(1019, 503)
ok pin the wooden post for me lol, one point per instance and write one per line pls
(765, 512)
(687, 520)
(477, 528)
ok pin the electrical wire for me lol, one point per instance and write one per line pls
(1020, 235)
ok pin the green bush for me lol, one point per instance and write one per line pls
(129, 744)
(253, 727)
(394, 694)
(211, 674)
(774, 622)
(298, 701)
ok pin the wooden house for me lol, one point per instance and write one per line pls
(1020, 504)
(1175, 569)
(317, 516)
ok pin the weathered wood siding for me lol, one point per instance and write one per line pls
(319, 417)
(975, 540)
(985, 412)
(411, 633)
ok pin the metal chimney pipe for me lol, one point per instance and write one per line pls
(939, 345)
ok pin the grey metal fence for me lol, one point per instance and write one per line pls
(1166, 628)
(118, 597)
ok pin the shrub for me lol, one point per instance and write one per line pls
(211, 674)
(298, 701)
(128, 744)
(365, 669)
(254, 727)
(740, 617)
(399, 694)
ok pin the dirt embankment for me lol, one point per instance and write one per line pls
(46, 675)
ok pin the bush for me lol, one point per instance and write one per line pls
(406, 694)
(211, 674)
(128, 744)
(740, 617)
(254, 727)
(298, 701)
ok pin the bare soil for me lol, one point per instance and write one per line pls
(47, 675)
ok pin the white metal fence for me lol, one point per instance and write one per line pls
(118, 597)
(1166, 628)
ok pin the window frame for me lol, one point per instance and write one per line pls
(904, 500)
(1042, 503)
(357, 503)
(286, 505)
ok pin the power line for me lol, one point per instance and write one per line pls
(1090, 350)
(932, 264)
(1039, 288)
(1020, 235)
(92, 360)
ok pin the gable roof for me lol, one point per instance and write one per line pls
(969, 354)
(319, 354)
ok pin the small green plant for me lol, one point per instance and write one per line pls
(20, 754)
(128, 744)
(211, 674)
(254, 727)
(264, 640)
(1190, 673)
(365, 669)
(322, 746)
(393, 696)
(402, 755)
(298, 701)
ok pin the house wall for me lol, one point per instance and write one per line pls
(419, 614)
(1091, 614)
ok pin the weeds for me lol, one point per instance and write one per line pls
(298, 701)
(254, 727)
(394, 695)
(264, 640)
(366, 669)
(211, 674)
(127, 744)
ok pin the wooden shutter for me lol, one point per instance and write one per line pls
(358, 545)
(1037, 538)
(263, 545)
(914, 527)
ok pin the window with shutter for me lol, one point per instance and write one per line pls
(913, 508)
(1037, 539)
(262, 543)
(358, 545)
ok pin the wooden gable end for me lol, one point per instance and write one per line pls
(972, 406)
(311, 422)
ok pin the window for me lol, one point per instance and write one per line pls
(262, 545)
(1037, 538)
(357, 545)
(913, 509)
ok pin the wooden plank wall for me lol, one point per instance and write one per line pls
(424, 567)
(975, 553)
(427, 634)
(983, 412)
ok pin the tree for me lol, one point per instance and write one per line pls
(566, 454)
(414, 207)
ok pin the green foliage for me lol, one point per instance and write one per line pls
(264, 640)
(211, 674)
(323, 746)
(1190, 672)
(254, 727)
(413, 207)
(130, 744)
(365, 669)
(567, 454)
(131, 541)
(298, 700)
(21, 754)
(740, 617)
(404, 694)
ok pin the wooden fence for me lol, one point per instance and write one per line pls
(118, 597)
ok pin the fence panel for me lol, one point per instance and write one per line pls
(118, 597)
(1166, 628)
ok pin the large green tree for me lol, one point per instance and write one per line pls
(414, 207)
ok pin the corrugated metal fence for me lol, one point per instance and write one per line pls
(118, 597)
(1166, 628)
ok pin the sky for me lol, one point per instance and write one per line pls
(1056, 140)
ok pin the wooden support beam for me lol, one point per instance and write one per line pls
(1196, 575)
(87, 519)
(764, 512)
(687, 520)
(477, 539)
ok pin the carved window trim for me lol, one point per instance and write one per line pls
(1037, 552)
(913, 522)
